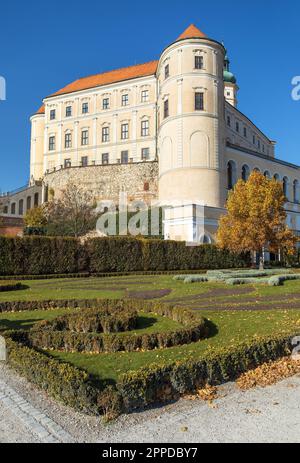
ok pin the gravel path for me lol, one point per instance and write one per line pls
(259, 415)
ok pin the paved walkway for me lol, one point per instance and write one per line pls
(22, 422)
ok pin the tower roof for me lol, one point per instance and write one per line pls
(192, 32)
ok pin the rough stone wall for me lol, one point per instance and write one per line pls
(139, 180)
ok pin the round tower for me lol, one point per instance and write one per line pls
(191, 121)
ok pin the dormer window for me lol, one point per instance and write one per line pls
(199, 62)
(167, 71)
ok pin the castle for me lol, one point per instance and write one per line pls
(165, 130)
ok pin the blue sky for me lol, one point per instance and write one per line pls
(45, 45)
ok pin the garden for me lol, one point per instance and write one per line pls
(107, 345)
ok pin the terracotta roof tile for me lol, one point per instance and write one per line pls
(110, 77)
(41, 110)
(192, 32)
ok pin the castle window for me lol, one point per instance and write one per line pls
(258, 144)
(124, 131)
(267, 174)
(199, 62)
(28, 203)
(68, 140)
(285, 185)
(105, 134)
(51, 143)
(21, 207)
(296, 191)
(68, 111)
(228, 121)
(125, 99)
(145, 128)
(105, 103)
(166, 109)
(52, 114)
(231, 175)
(199, 101)
(5, 210)
(13, 208)
(124, 157)
(145, 154)
(85, 108)
(245, 173)
(145, 96)
(167, 71)
(105, 158)
(253, 139)
(36, 199)
(84, 161)
(84, 137)
(237, 127)
(67, 163)
(245, 132)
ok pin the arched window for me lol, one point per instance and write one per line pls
(13, 208)
(231, 175)
(256, 169)
(21, 207)
(36, 199)
(28, 203)
(296, 191)
(245, 173)
(277, 177)
(267, 174)
(205, 239)
(285, 186)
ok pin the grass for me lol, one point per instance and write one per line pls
(229, 327)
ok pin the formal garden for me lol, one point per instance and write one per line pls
(115, 324)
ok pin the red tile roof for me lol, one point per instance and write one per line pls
(192, 32)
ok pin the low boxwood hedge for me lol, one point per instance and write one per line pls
(108, 318)
(147, 386)
(79, 332)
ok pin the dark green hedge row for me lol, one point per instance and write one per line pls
(137, 389)
(37, 255)
(10, 286)
(194, 329)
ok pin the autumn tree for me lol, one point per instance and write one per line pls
(35, 217)
(256, 218)
(72, 213)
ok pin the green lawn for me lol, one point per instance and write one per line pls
(229, 327)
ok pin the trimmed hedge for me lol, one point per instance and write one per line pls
(107, 318)
(38, 255)
(77, 332)
(10, 286)
(147, 386)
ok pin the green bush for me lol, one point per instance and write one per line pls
(108, 318)
(158, 383)
(78, 332)
(36, 255)
(147, 386)
(280, 279)
(39, 255)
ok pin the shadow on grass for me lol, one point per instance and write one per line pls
(145, 322)
(17, 324)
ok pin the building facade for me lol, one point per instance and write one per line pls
(168, 130)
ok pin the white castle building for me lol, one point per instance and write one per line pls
(167, 130)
